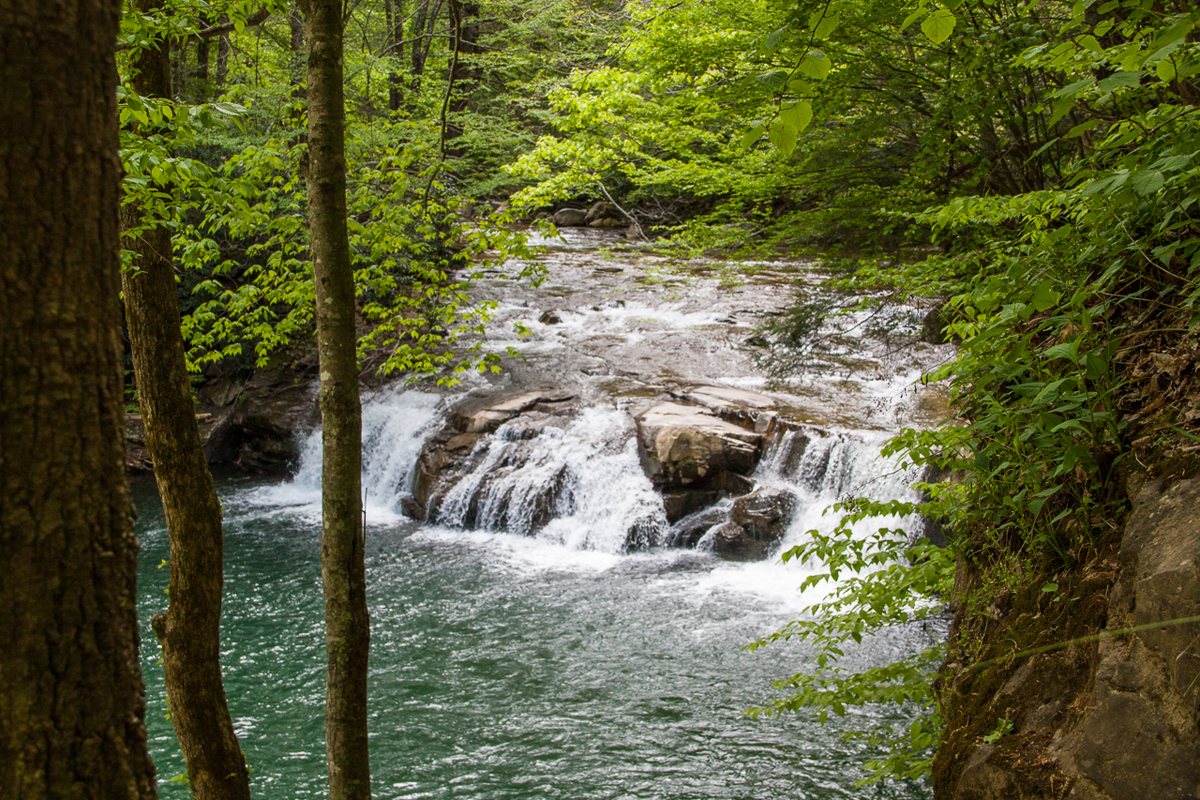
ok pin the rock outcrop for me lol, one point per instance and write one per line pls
(1113, 711)
(695, 457)
(569, 218)
(257, 430)
(250, 424)
(756, 524)
(1138, 735)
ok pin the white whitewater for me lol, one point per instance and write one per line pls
(822, 468)
(395, 425)
(584, 477)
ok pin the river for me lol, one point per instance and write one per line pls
(557, 665)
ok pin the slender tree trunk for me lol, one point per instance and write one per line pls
(421, 40)
(463, 73)
(203, 56)
(394, 12)
(72, 706)
(347, 631)
(191, 631)
(223, 48)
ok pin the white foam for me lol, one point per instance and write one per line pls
(395, 425)
(523, 552)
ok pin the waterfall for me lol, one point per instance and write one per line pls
(823, 467)
(579, 485)
(395, 424)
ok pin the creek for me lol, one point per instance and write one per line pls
(521, 661)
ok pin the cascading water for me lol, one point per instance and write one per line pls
(395, 423)
(822, 468)
(540, 657)
(579, 485)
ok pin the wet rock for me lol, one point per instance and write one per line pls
(454, 452)
(684, 445)
(550, 317)
(695, 457)
(488, 414)
(569, 218)
(736, 405)
(691, 529)
(259, 431)
(933, 327)
(599, 210)
(757, 523)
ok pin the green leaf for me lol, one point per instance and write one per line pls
(1081, 129)
(774, 80)
(1121, 79)
(816, 65)
(752, 135)
(911, 18)
(774, 38)
(798, 115)
(1072, 89)
(783, 136)
(823, 23)
(1044, 295)
(1165, 70)
(938, 26)
(1147, 182)
(1068, 351)
(1062, 107)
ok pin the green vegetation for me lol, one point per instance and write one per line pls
(1049, 152)
(1032, 166)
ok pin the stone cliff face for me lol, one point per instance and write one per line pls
(1091, 691)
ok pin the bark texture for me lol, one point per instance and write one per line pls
(191, 631)
(346, 624)
(71, 697)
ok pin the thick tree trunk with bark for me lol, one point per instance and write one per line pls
(347, 631)
(191, 630)
(71, 698)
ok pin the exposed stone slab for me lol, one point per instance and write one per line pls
(686, 445)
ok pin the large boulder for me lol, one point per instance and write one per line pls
(757, 523)
(569, 218)
(686, 446)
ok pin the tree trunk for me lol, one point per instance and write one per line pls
(394, 13)
(223, 48)
(347, 631)
(191, 631)
(463, 73)
(421, 41)
(72, 704)
(205, 89)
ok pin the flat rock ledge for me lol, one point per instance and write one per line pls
(698, 447)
